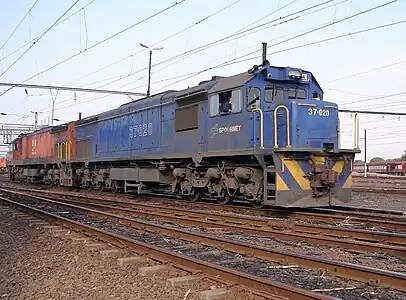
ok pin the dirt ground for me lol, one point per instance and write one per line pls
(34, 264)
(379, 201)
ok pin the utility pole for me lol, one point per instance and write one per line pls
(365, 153)
(149, 74)
(264, 46)
(36, 120)
(53, 105)
(150, 65)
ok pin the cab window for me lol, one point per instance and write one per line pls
(225, 103)
(273, 93)
(301, 94)
(294, 93)
(253, 97)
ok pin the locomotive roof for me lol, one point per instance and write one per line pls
(231, 82)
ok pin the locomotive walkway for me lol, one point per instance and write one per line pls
(118, 226)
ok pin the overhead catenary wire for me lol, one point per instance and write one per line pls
(19, 24)
(60, 22)
(158, 42)
(224, 39)
(118, 78)
(101, 42)
(66, 88)
(367, 72)
(38, 39)
(323, 27)
(374, 98)
(192, 74)
(206, 46)
(331, 38)
(242, 59)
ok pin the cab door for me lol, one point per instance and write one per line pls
(228, 128)
(253, 105)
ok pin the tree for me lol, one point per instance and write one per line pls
(403, 157)
(377, 159)
(358, 161)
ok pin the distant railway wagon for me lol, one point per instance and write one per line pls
(265, 136)
(389, 168)
(358, 168)
(378, 167)
(397, 168)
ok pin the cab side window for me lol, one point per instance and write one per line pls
(273, 93)
(214, 105)
(225, 103)
(294, 93)
(253, 98)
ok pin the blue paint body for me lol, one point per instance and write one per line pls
(146, 127)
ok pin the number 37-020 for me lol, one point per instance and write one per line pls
(318, 112)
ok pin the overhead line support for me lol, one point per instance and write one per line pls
(66, 88)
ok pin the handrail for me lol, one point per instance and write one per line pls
(62, 144)
(275, 125)
(339, 134)
(57, 150)
(261, 116)
(69, 154)
(356, 131)
(66, 151)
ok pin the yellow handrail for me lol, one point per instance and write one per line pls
(261, 116)
(275, 125)
(339, 134)
(62, 144)
(57, 147)
(66, 150)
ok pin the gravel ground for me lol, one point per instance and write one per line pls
(36, 265)
(379, 201)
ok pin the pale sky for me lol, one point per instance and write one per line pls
(379, 90)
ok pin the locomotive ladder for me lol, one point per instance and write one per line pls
(268, 170)
(64, 165)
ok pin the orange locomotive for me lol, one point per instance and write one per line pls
(45, 152)
(3, 164)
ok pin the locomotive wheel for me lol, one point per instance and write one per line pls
(195, 195)
(223, 200)
(101, 187)
(257, 204)
(89, 186)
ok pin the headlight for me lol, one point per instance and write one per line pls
(295, 74)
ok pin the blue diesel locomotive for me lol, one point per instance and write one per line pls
(264, 136)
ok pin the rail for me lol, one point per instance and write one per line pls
(252, 227)
(341, 269)
(259, 284)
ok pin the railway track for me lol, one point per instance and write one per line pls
(353, 239)
(302, 264)
(345, 216)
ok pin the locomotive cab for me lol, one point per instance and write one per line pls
(293, 131)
